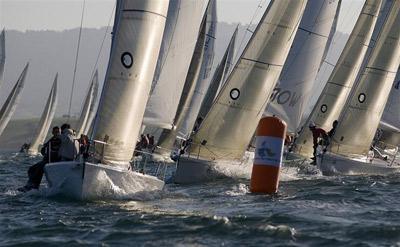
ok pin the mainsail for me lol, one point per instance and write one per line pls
(228, 127)
(2, 54)
(45, 120)
(291, 95)
(335, 93)
(363, 111)
(88, 108)
(163, 103)
(391, 115)
(218, 78)
(12, 100)
(138, 31)
(168, 136)
(203, 81)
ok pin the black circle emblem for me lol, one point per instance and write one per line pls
(324, 108)
(362, 97)
(127, 60)
(235, 94)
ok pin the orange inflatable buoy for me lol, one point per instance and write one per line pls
(270, 137)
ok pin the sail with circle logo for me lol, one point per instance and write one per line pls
(229, 125)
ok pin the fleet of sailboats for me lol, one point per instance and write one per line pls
(159, 76)
(228, 127)
(364, 109)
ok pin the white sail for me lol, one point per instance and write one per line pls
(203, 81)
(2, 54)
(335, 93)
(363, 111)
(168, 136)
(228, 127)
(290, 97)
(218, 78)
(138, 31)
(391, 115)
(163, 103)
(45, 120)
(12, 100)
(88, 108)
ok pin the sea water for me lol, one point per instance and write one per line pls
(309, 210)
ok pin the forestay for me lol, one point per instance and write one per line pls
(88, 108)
(139, 26)
(290, 97)
(45, 120)
(335, 93)
(227, 129)
(218, 78)
(203, 81)
(361, 116)
(164, 99)
(12, 100)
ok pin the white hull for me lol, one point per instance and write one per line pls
(332, 164)
(85, 181)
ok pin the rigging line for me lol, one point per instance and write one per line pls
(259, 7)
(102, 42)
(76, 62)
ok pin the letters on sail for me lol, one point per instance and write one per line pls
(291, 95)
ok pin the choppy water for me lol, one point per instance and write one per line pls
(310, 210)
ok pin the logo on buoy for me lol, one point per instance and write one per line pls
(268, 150)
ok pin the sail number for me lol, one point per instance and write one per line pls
(361, 97)
(127, 60)
(284, 97)
(235, 94)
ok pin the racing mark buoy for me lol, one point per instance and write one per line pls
(270, 137)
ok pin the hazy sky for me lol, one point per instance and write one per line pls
(64, 14)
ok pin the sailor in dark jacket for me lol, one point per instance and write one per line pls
(50, 154)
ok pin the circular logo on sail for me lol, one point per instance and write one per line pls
(127, 60)
(235, 93)
(324, 108)
(361, 97)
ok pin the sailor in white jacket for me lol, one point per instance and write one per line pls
(69, 147)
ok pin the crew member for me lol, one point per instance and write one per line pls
(317, 134)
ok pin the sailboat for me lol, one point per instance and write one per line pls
(390, 122)
(203, 80)
(349, 152)
(294, 88)
(12, 100)
(165, 95)
(88, 109)
(2, 54)
(336, 91)
(219, 77)
(45, 120)
(138, 31)
(167, 138)
(228, 127)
